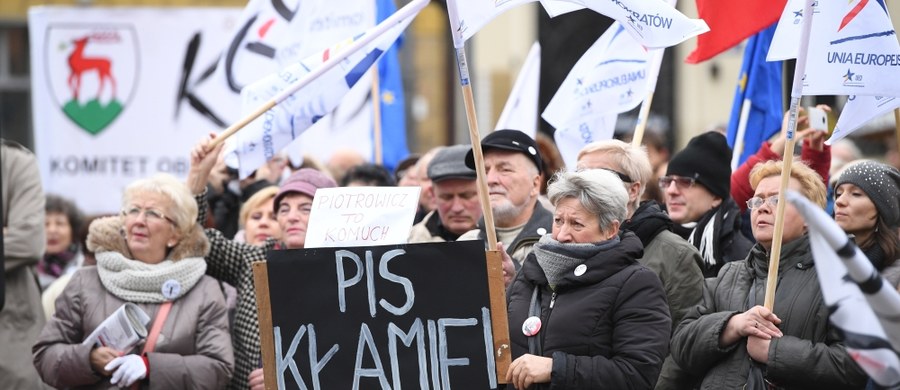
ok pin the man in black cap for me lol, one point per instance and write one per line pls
(513, 167)
(456, 195)
(697, 189)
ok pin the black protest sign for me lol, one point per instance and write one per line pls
(383, 317)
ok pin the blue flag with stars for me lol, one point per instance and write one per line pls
(759, 84)
(393, 112)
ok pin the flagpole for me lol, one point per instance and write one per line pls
(376, 116)
(653, 78)
(410, 9)
(499, 321)
(738, 149)
(796, 94)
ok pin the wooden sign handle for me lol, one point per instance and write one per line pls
(499, 320)
(266, 333)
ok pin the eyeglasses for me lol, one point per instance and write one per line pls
(681, 183)
(152, 215)
(757, 202)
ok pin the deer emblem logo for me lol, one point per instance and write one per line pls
(92, 71)
(79, 64)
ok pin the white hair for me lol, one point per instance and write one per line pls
(599, 191)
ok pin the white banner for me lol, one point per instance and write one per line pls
(361, 216)
(610, 78)
(853, 48)
(521, 109)
(271, 37)
(114, 94)
(858, 111)
(572, 138)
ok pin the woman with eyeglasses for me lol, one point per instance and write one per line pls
(867, 205)
(814, 152)
(732, 341)
(150, 256)
(230, 261)
(583, 313)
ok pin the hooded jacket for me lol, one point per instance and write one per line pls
(607, 328)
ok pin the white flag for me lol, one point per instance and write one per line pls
(521, 109)
(853, 48)
(571, 138)
(867, 320)
(786, 41)
(653, 23)
(610, 78)
(324, 79)
(469, 16)
(858, 111)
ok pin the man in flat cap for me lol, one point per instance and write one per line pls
(456, 194)
(513, 168)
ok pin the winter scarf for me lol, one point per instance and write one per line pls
(556, 258)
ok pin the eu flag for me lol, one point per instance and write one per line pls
(393, 113)
(759, 85)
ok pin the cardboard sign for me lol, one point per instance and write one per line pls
(386, 317)
(359, 216)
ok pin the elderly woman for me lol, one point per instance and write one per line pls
(151, 256)
(230, 261)
(257, 217)
(867, 205)
(63, 254)
(583, 314)
(792, 346)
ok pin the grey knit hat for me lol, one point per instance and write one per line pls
(881, 183)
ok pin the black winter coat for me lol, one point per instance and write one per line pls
(607, 329)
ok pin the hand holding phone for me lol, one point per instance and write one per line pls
(818, 119)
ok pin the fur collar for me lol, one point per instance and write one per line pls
(108, 235)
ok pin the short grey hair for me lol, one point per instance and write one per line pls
(184, 208)
(631, 160)
(599, 191)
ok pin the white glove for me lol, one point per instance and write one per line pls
(126, 370)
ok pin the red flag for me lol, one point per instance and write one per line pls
(730, 22)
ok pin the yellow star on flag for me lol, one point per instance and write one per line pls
(387, 97)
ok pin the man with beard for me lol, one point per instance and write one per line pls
(513, 168)
(697, 189)
(674, 260)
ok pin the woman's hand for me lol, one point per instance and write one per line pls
(256, 380)
(509, 269)
(203, 159)
(816, 137)
(758, 322)
(758, 349)
(127, 370)
(100, 357)
(529, 369)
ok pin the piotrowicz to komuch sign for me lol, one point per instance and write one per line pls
(382, 317)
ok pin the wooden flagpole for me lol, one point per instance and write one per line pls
(796, 94)
(496, 286)
(644, 114)
(376, 117)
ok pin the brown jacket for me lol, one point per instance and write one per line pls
(193, 350)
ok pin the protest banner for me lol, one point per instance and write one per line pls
(399, 316)
(113, 94)
(359, 216)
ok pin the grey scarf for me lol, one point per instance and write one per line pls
(556, 258)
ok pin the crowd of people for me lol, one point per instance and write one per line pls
(653, 268)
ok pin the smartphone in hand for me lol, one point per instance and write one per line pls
(818, 118)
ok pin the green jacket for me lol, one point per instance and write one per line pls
(809, 356)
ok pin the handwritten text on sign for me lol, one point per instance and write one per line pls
(359, 216)
(385, 317)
